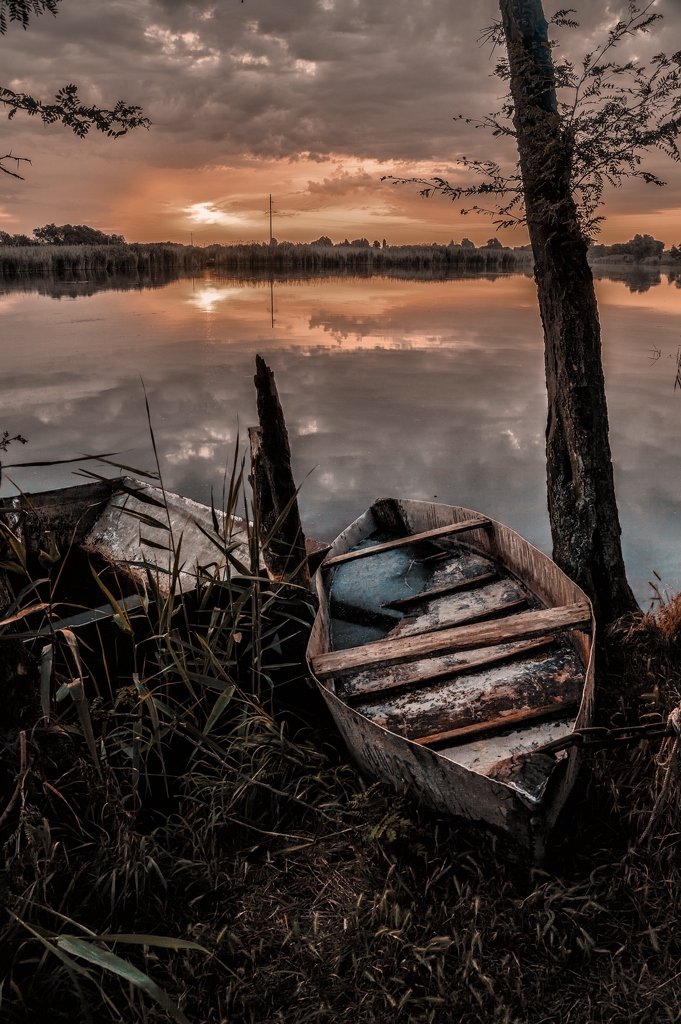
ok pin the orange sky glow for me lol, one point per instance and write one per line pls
(312, 102)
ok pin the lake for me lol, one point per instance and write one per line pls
(412, 387)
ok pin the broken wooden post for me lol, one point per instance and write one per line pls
(274, 489)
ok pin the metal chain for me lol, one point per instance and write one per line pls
(600, 737)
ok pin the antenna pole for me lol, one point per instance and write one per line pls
(270, 216)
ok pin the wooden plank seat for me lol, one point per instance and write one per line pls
(423, 673)
(504, 696)
(493, 726)
(479, 523)
(523, 626)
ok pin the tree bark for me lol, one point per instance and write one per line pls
(274, 487)
(581, 493)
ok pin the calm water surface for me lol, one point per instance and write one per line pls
(416, 388)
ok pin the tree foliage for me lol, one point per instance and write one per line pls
(611, 115)
(21, 11)
(75, 234)
(67, 107)
(641, 247)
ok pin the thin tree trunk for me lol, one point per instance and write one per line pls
(274, 486)
(581, 493)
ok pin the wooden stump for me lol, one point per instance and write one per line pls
(274, 489)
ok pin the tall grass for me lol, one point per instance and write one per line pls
(315, 258)
(157, 258)
(185, 839)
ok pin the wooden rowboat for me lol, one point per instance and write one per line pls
(136, 527)
(449, 651)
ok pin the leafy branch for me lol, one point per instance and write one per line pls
(21, 11)
(6, 440)
(612, 114)
(67, 108)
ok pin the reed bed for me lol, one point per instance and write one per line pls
(363, 259)
(253, 257)
(184, 838)
(157, 258)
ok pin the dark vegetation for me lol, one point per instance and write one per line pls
(184, 838)
(64, 234)
(75, 260)
(77, 249)
(18, 258)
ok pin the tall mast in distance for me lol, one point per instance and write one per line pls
(270, 217)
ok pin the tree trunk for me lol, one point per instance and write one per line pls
(274, 487)
(581, 493)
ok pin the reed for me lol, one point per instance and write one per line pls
(361, 259)
(75, 260)
(184, 838)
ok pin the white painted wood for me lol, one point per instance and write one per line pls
(400, 542)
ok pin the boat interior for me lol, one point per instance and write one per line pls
(441, 643)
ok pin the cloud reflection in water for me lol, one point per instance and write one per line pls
(411, 388)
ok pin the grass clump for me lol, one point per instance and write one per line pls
(184, 837)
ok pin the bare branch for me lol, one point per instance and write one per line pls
(18, 160)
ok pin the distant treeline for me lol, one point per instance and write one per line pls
(255, 258)
(64, 234)
(77, 250)
(360, 256)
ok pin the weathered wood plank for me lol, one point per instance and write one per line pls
(481, 523)
(432, 624)
(447, 588)
(471, 661)
(451, 737)
(273, 485)
(523, 626)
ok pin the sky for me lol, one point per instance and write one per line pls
(312, 101)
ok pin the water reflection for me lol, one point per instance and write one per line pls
(416, 387)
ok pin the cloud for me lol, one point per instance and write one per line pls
(345, 89)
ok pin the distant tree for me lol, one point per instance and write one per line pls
(322, 240)
(641, 247)
(467, 244)
(360, 243)
(675, 253)
(7, 239)
(494, 243)
(67, 107)
(78, 234)
(385, 244)
(377, 244)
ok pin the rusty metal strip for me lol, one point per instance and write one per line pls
(480, 523)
